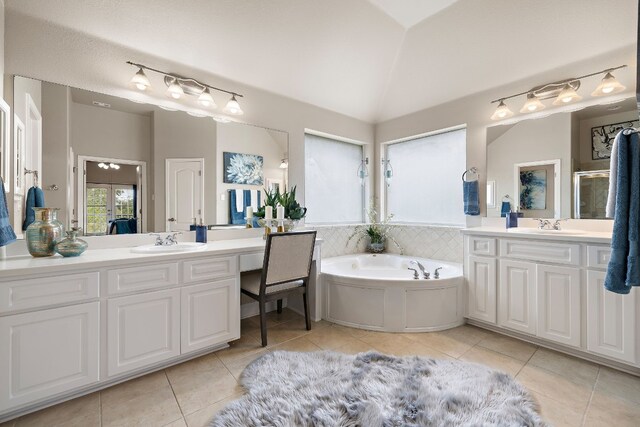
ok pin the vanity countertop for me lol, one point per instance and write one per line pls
(584, 236)
(97, 258)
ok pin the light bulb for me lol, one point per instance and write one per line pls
(567, 95)
(140, 80)
(284, 164)
(233, 107)
(206, 100)
(532, 104)
(608, 86)
(502, 112)
(174, 90)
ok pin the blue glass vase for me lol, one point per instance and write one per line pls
(71, 246)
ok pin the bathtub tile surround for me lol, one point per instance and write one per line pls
(423, 241)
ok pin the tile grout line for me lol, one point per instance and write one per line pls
(593, 391)
(164, 371)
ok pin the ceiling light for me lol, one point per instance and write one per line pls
(174, 90)
(284, 164)
(532, 104)
(233, 107)
(608, 86)
(221, 119)
(140, 80)
(567, 95)
(103, 166)
(206, 100)
(502, 112)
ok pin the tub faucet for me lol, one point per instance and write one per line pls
(436, 274)
(425, 273)
(416, 276)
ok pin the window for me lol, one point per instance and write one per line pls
(106, 202)
(426, 186)
(333, 191)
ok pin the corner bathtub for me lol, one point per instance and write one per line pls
(378, 293)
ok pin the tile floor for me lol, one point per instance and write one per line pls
(571, 392)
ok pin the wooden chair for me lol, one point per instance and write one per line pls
(286, 271)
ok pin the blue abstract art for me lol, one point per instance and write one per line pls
(533, 189)
(243, 169)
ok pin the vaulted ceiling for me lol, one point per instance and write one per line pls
(373, 60)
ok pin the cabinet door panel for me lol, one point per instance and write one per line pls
(143, 329)
(210, 314)
(48, 352)
(481, 286)
(610, 320)
(558, 290)
(517, 296)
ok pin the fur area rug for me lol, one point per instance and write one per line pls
(371, 389)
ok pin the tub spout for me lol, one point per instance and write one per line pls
(425, 273)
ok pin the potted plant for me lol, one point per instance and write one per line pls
(377, 232)
(293, 212)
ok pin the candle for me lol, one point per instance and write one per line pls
(268, 212)
(249, 212)
(280, 212)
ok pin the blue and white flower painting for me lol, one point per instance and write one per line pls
(533, 189)
(243, 169)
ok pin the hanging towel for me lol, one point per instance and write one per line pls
(236, 217)
(613, 174)
(254, 200)
(6, 232)
(239, 198)
(35, 199)
(623, 270)
(505, 208)
(471, 194)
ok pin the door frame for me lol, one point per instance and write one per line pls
(167, 208)
(33, 118)
(557, 183)
(82, 185)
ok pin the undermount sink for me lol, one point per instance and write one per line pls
(180, 247)
(549, 232)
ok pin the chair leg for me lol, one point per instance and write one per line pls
(263, 322)
(279, 306)
(306, 311)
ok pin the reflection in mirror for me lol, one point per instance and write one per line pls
(556, 166)
(114, 166)
(5, 143)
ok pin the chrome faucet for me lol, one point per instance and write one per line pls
(425, 273)
(436, 274)
(416, 276)
(169, 240)
(545, 224)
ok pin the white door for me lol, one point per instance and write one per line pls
(143, 329)
(209, 314)
(558, 290)
(48, 352)
(185, 194)
(517, 295)
(610, 320)
(481, 282)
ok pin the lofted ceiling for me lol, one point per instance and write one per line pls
(369, 59)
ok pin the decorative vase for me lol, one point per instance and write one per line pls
(376, 247)
(44, 232)
(71, 245)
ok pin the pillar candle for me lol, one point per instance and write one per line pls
(249, 212)
(268, 212)
(280, 212)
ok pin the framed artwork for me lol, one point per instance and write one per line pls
(602, 138)
(243, 169)
(533, 189)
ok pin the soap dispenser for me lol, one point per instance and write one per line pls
(201, 232)
(512, 219)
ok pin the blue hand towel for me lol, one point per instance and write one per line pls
(623, 270)
(235, 217)
(6, 232)
(471, 196)
(505, 209)
(35, 199)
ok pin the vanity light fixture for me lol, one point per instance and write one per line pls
(178, 86)
(221, 119)
(564, 92)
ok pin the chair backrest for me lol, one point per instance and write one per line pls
(287, 257)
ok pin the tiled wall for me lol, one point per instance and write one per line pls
(434, 242)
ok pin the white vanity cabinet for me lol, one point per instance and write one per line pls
(552, 291)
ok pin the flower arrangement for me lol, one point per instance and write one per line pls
(286, 199)
(378, 232)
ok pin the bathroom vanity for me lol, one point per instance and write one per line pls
(548, 289)
(70, 326)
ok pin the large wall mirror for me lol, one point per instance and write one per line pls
(114, 166)
(557, 166)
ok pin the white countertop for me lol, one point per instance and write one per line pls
(584, 236)
(96, 258)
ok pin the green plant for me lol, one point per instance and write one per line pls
(286, 199)
(377, 231)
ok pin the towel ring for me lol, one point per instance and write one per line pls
(473, 170)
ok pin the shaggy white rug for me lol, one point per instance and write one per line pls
(372, 389)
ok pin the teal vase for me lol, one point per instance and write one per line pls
(44, 232)
(71, 246)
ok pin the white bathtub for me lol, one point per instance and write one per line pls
(378, 292)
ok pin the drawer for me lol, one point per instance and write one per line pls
(557, 253)
(250, 262)
(204, 269)
(598, 256)
(125, 280)
(482, 246)
(47, 291)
